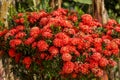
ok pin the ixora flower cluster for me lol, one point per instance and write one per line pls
(60, 44)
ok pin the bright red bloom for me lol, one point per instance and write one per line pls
(20, 35)
(61, 35)
(20, 27)
(47, 34)
(20, 15)
(34, 32)
(21, 20)
(42, 45)
(13, 31)
(3, 32)
(103, 62)
(58, 42)
(66, 57)
(11, 52)
(27, 61)
(34, 44)
(77, 53)
(86, 18)
(117, 29)
(96, 56)
(53, 50)
(93, 64)
(65, 49)
(73, 18)
(43, 21)
(75, 41)
(15, 42)
(115, 52)
(84, 68)
(29, 41)
(107, 53)
(43, 55)
(33, 17)
(98, 72)
(68, 67)
(111, 22)
(112, 63)
(69, 31)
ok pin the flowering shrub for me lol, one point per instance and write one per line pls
(60, 45)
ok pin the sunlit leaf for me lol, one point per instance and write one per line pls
(84, 1)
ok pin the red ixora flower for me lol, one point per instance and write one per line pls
(34, 32)
(103, 62)
(96, 56)
(15, 42)
(27, 61)
(66, 57)
(12, 52)
(42, 45)
(68, 67)
(53, 50)
(20, 35)
(29, 41)
(17, 57)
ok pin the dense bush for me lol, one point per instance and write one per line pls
(60, 45)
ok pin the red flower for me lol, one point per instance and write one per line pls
(75, 41)
(73, 17)
(107, 52)
(43, 55)
(84, 68)
(93, 64)
(86, 18)
(17, 57)
(42, 45)
(53, 50)
(96, 56)
(117, 29)
(20, 15)
(98, 72)
(21, 20)
(3, 32)
(13, 31)
(47, 34)
(74, 75)
(20, 27)
(112, 62)
(34, 32)
(115, 52)
(15, 42)
(103, 62)
(65, 49)
(11, 52)
(27, 61)
(58, 42)
(61, 35)
(29, 41)
(43, 21)
(20, 35)
(69, 31)
(68, 67)
(111, 22)
(66, 57)
(34, 44)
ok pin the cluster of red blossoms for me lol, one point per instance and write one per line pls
(86, 48)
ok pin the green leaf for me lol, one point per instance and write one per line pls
(118, 20)
(84, 1)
